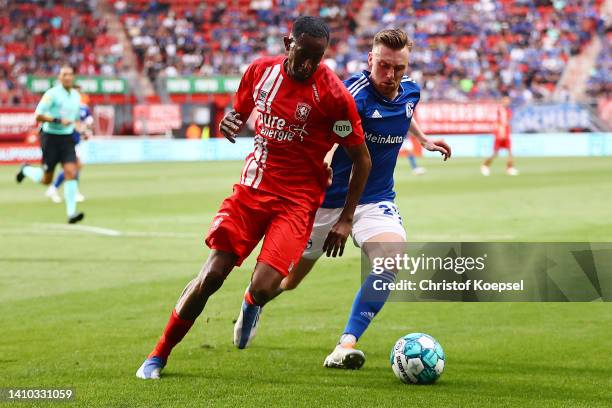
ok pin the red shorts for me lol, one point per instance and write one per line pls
(250, 214)
(501, 144)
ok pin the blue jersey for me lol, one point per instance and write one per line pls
(84, 116)
(385, 125)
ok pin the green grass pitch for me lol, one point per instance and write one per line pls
(82, 308)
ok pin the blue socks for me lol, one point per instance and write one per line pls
(412, 161)
(70, 191)
(368, 302)
(59, 179)
(33, 173)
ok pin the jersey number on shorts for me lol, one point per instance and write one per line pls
(391, 211)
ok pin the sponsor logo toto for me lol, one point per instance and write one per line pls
(343, 128)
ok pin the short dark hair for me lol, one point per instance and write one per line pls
(395, 38)
(313, 26)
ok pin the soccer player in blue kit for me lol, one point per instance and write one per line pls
(386, 99)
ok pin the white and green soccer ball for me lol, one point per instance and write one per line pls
(417, 358)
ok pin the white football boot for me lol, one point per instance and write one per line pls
(485, 170)
(511, 171)
(151, 368)
(53, 194)
(345, 355)
(245, 328)
(419, 171)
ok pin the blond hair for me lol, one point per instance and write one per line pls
(395, 38)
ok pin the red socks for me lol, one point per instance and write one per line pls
(174, 332)
(249, 298)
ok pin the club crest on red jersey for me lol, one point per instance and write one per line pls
(262, 96)
(301, 111)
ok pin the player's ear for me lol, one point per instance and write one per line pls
(370, 63)
(288, 41)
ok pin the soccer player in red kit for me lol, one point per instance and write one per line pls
(502, 141)
(303, 109)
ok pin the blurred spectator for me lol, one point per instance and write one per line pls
(487, 49)
(599, 84)
(476, 49)
(463, 50)
(219, 38)
(37, 37)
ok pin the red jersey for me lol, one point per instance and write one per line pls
(502, 128)
(502, 131)
(297, 124)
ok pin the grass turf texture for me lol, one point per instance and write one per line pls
(82, 309)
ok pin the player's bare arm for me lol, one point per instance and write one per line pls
(336, 239)
(230, 125)
(427, 143)
(327, 164)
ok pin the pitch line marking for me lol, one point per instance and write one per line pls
(115, 233)
(85, 228)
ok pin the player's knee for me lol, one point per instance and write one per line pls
(70, 173)
(289, 284)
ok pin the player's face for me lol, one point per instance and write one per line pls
(304, 55)
(387, 66)
(66, 77)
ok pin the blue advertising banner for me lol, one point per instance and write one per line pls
(550, 117)
(532, 145)
(155, 150)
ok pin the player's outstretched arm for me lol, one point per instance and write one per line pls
(431, 145)
(230, 125)
(336, 239)
(327, 164)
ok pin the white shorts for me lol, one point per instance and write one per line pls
(370, 220)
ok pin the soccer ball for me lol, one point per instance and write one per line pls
(417, 358)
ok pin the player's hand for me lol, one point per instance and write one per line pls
(330, 173)
(230, 125)
(336, 239)
(438, 146)
(66, 122)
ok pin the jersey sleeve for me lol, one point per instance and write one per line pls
(346, 122)
(243, 102)
(77, 113)
(45, 104)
